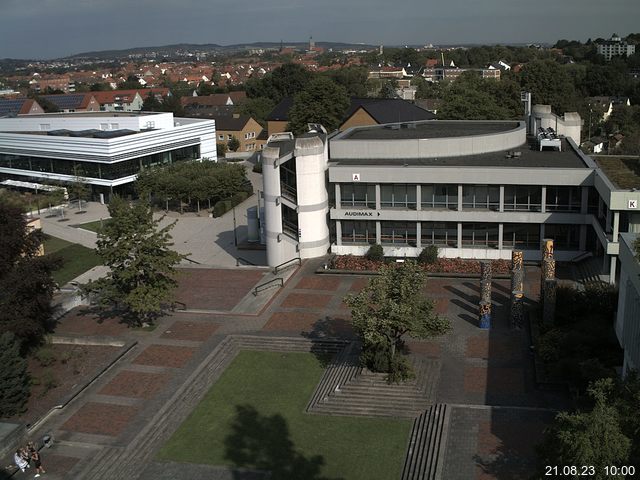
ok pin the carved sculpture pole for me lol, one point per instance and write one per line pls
(548, 283)
(516, 312)
(484, 311)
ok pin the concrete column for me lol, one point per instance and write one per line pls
(612, 270)
(338, 232)
(500, 233)
(418, 197)
(378, 233)
(418, 234)
(501, 200)
(616, 225)
(459, 235)
(459, 201)
(543, 201)
(582, 242)
(338, 197)
(584, 201)
(378, 199)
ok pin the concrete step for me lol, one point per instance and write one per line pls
(424, 459)
(351, 411)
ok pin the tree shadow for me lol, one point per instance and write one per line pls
(263, 443)
(327, 327)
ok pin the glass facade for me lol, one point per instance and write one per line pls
(439, 197)
(525, 236)
(398, 233)
(358, 232)
(358, 195)
(288, 181)
(483, 235)
(289, 222)
(565, 237)
(443, 234)
(522, 198)
(482, 197)
(97, 170)
(398, 196)
(564, 199)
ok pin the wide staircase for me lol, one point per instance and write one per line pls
(424, 460)
(588, 271)
(347, 389)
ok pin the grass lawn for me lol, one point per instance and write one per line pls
(254, 417)
(76, 258)
(92, 226)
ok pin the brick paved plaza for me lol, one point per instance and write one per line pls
(478, 370)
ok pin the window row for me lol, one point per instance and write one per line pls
(106, 171)
(474, 235)
(474, 197)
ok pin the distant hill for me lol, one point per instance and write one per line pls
(171, 50)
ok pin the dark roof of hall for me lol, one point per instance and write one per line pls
(434, 129)
(530, 157)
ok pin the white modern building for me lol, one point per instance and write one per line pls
(615, 46)
(628, 316)
(107, 149)
(476, 189)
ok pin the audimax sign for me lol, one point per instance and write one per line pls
(360, 213)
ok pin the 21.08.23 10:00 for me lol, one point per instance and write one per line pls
(588, 470)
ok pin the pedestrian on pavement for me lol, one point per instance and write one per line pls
(37, 463)
(20, 462)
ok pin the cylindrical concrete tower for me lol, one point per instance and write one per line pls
(311, 164)
(272, 210)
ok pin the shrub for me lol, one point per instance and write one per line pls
(375, 253)
(428, 255)
(238, 198)
(45, 356)
(221, 207)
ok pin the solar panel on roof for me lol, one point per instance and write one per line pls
(66, 102)
(11, 107)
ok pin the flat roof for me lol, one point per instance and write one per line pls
(530, 157)
(428, 129)
(623, 172)
(89, 114)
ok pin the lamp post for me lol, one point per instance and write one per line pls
(235, 232)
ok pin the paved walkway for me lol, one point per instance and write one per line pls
(485, 375)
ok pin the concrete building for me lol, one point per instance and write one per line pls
(476, 189)
(628, 316)
(615, 46)
(106, 149)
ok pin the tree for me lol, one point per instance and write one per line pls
(285, 81)
(79, 188)
(257, 108)
(14, 381)
(151, 103)
(141, 275)
(354, 79)
(592, 438)
(233, 144)
(26, 286)
(388, 89)
(549, 84)
(391, 306)
(322, 101)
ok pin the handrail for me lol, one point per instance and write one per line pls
(286, 264)
(265, 285)
(247, 262)
(192, 261)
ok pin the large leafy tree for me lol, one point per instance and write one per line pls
(142, 265)
(391, 306)
(588, 438)
(285, 81)
(26, 286)
(14, 381)
(322, 101)
(550, 84)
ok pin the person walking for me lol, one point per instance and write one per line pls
(37, 462)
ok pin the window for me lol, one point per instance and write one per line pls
(523, 198)
(288, 181)
(220, 137)
(565, 237)
(564, 199)
(289, 222)
(357, 195)
(525, 236)
(481, 197)
(115, 126)
(358, 232)
(104, 126)
(444, 234)
(394, 233)
(480, 235)
(439, 197)
(398, 196)
(229, 137)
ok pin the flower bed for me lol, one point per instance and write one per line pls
(442, 265)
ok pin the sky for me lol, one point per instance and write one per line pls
(43, 29)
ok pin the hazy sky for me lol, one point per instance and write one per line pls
(55, 28)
